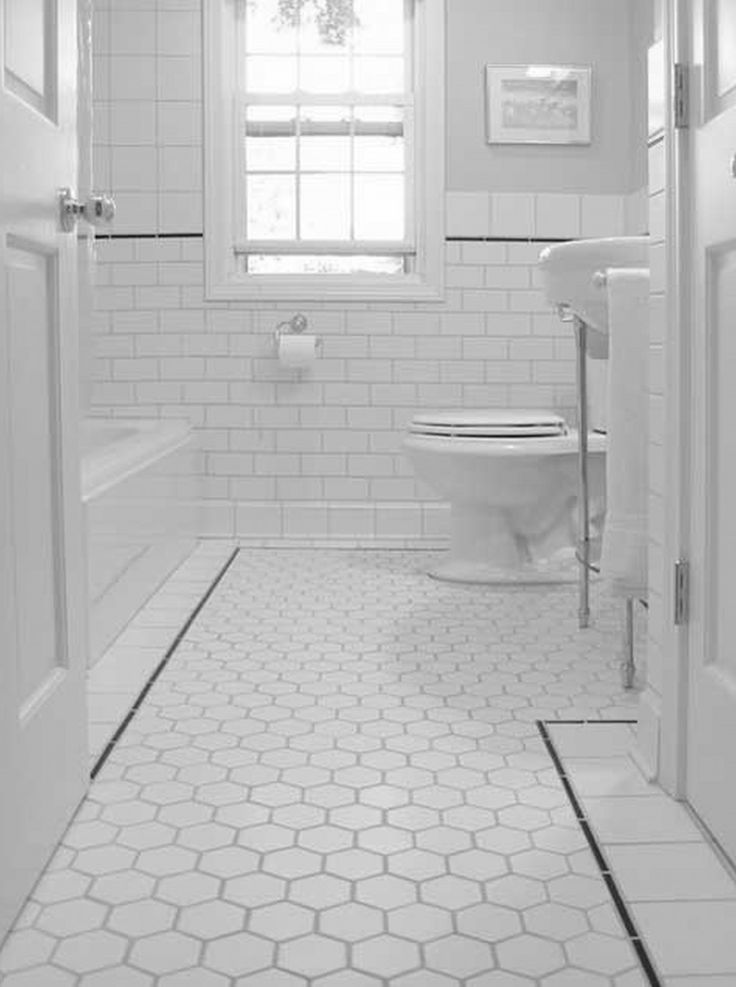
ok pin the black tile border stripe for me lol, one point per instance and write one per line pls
(603, 866)
(138, 702)
(449, 239)
(149, 236)
(510, 239)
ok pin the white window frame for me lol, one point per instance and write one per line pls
(224, 276)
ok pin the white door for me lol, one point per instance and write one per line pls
(43, 759)
(711, 271)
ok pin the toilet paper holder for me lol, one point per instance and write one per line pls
(295, 326)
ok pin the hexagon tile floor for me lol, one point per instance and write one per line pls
(338, 782)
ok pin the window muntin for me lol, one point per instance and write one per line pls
(325, 142)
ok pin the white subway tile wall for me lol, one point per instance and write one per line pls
(318, 456)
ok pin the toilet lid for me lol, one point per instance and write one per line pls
(489, 423)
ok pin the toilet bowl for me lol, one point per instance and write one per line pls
(511, 478)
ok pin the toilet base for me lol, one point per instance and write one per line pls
(556, 572)
(519, 546)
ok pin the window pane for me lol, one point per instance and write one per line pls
(329, 120)
(271, 207)
(270, 143)
(336, 172)
(266, 31)
(270, 73)
(380, 27)
(323, 264)
(327, 30)
(325, 207)
(385, 115)
(379, 75)
(379, 154)
(269, 114)
(379, 207)
(325, 153)
(270, 153)
(324, 74)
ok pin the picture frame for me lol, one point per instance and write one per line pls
(538, 104)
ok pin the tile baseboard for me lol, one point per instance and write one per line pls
(323, 523)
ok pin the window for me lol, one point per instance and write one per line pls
(324, 149)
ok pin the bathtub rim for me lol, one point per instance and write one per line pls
(153, 439)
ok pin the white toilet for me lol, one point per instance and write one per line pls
(511, 478)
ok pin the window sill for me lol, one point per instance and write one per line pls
(323, 288)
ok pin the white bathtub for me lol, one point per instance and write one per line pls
(140, 495)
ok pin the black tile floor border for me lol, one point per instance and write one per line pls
(111, 744)
(600, 858)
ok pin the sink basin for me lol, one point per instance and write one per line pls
(569, 273)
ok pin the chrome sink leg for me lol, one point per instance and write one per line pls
(583, 553)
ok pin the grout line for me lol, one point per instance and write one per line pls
(606, 873)
(138, 702)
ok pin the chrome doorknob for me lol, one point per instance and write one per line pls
(97, 209)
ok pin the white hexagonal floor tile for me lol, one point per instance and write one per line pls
(385, 956)
(312, 956)
(280, 921)
(459, 956)
(351, 922)
(239, 954)
(165, 952)
(337, 781)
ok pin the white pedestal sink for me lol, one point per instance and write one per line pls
(574, 278)
(569, 273)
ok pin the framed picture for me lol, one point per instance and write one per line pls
(538, 104)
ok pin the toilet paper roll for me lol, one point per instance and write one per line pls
(297, 351)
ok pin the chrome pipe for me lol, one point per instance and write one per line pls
(583, 554)
(629, 662)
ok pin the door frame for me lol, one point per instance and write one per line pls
(665, 750)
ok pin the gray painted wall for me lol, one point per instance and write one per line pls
(610, 35)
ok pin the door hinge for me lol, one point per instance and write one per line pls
(681, 87)
(682, 592)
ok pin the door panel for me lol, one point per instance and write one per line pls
(720, 656)
(30, 53)
(710, 273)
(725, 42)
(43, 742)
(34, 370)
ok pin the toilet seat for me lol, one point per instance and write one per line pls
(489, 423)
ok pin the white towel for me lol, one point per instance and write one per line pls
(624, 559)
